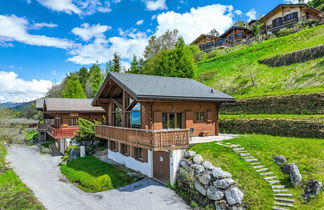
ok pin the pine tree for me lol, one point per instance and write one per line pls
(134, 66)
(116, 62)
(95, 79)
(83, 76)
(185, 63)
(73, 88)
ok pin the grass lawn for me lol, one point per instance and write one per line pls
(319, 118)
(93, 175)
(14, 194)
(306, 153)
(239, 73)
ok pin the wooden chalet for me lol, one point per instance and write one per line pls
(206, 42)
(61, 118)
(284, 16)
(151, 119)
(235, 35)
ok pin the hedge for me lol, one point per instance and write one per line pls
(290, 104)
(276, 127)
(299, 56)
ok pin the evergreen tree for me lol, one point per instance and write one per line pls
(83, 76)
(95, 79)
(134, 66)
(116, 62)
(73, 88)
(185, 63)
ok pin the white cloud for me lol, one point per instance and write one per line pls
(87, 32)
(140, 22)
(294, 1)
(238, 12)
(101, 49)
(43, 25)
(16, 29)
(251, 14)
(156, 5)
(13, 88)
(80, 7)
(197, 21)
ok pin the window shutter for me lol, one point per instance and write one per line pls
(210, 116)
(145, 151)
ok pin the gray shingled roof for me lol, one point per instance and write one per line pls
(71, 105)
(40, 104)
(157, 87)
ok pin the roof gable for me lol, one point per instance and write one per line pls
(70, 105)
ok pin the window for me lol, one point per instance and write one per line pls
(239, 34)
(291, 16)
(113, 146)
(172, 120)
(138, 153)
(72, 122)
(124, 149)
(277, 21)
(231, 37)
(200, 116)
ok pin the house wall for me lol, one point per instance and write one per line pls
(130, 162)
(189, 109)
(282, 12)
(88, 116)
(175, 158)
(206, 40)
(236, 31)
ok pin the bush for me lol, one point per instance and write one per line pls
(31, 136)
(102, 183)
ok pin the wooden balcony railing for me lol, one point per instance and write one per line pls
(147, 139)
(61, 133)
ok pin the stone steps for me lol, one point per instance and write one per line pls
(283, 195)
(273, 182)
(280, 190)
(260, 166)
(266, 173)
(238, 149)
(270, 177)
(249, 157)
(256, 163)
(284, 204)
(262, 169)
(284, 200)
(245, 154)
(278, 186)
(250, 160)
(278, 208)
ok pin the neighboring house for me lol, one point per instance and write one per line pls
(236, 34)
(231, 37)
(151, 120)
(206, 42)
(284, 16)
(61, 118)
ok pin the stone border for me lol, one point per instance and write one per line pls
(282, 197)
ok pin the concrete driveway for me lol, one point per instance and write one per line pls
(41, 174)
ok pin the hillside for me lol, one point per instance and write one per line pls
(240, 74)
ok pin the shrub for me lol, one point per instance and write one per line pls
(31, 136)
(102, 183)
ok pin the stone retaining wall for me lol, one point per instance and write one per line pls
(207, 184)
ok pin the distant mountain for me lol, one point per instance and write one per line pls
(20, 107)
(11, 105)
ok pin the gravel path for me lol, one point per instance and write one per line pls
(41, 174)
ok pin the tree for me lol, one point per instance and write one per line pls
(73, 88)
(256, 28)
(83, 76)
(214, 32)
(318, 4)
(135, 68)
(241, 23)
(95, 79)
(185, 63)
(166, 41)
(116, 62)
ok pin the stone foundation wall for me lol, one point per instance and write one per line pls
(207, 184)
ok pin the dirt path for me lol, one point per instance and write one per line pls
(41, 174)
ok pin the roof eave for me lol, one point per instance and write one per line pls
(179, 98)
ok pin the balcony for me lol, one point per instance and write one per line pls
(61, 133)
(282, 24)
(148, 139)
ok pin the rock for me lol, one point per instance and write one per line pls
(280, 160)
(189, 154)
(218, 173)
(197, 159)
(223, 183)
(186, 164)
(201, 199)
(312, 189)
(204, 178)
(208, 165)
(295, 176)
(221, 205)
(198, 169)
(214, 194)
(201, 189)
(236, 208)
(287, 167)
(234, 196)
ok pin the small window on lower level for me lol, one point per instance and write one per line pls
(200, 116)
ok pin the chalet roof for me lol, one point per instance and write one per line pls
(289, 5)
(231, 28)
(203, 36)
(40, 104)
(71, 105)
(164, 88)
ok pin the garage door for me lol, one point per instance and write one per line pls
(161, 166)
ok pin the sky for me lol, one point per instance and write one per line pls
(43, 40)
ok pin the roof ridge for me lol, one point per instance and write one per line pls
(149, 75)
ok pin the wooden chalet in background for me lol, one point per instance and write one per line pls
(151, 119)
(61, 118)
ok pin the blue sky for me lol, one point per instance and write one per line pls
(42, 40)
